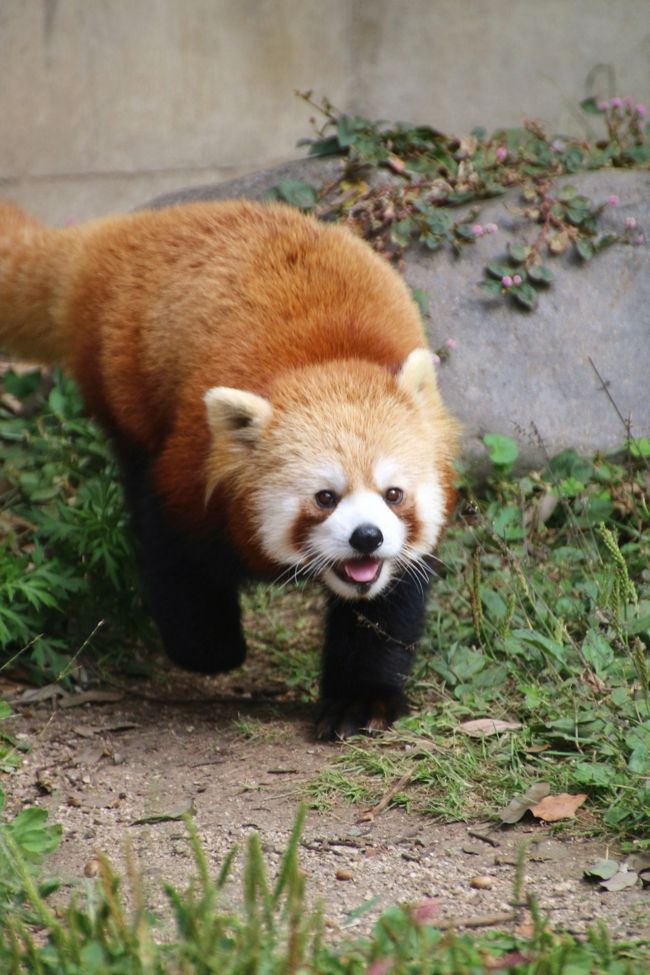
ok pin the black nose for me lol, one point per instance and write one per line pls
(366, 538)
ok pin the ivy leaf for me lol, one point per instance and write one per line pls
(499, 271)
(585, 248)
(605, 241)
(421, 299)
(640, 447)
(541, 274)
(502, 450)
(324, 147)
(590, 106)
(296, 192)
(518, 252)
(492, 288)
(526, 295)
(567, 193)
(602, 870)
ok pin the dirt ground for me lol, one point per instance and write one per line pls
(241, 764)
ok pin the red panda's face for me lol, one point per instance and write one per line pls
(346, 472)
(352, 524)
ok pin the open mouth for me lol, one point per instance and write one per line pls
(359, 572)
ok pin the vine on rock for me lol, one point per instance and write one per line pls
(428, 174)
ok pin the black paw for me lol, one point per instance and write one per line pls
(208, 656)
(339, 719)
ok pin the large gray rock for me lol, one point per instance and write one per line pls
(528, 374)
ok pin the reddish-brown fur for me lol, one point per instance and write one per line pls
(150, 310)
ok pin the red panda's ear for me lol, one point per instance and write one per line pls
(236, 413)
(417, 376)
(236, 419)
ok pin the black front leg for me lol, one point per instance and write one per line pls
(368, 654)
(190, 585)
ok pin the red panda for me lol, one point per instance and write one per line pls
(267, 387)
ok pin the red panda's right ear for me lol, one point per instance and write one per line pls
(236, 418)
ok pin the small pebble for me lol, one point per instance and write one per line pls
(481, 882)
(92, 868)
(344, 875)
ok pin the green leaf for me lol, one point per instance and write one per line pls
(421, 299)
(567, 193)
(585, 248)
(296, 192)
(324, 147)
(576, 215)
(569, 487)
(21, 385)
(493, 288)
(640, 447)
(497, 270)
(554, 649)
(502, 450)
(602, 870)
(593, 773)
(597, 652)
(401, 232)
(518, 253)
(567, 464)
(590, 106)
(541, 274)
(525, 294)
(606, 240)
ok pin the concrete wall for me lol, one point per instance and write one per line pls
(105, 103)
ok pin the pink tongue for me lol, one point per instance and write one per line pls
(361, 570)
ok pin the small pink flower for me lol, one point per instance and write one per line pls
(477, 230)
(603, 106)
(506, 281)
(451, 343)
(380, 967)
(491, 228)
(425, 910)
(640, 109)
(639, 239)
(436, 358)
(628, 101)
(558, 146)
(630, 223)
(502, 153)
(613, 200)
(616, 102)
(517, 279)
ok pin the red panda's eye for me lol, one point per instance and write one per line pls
(326, 499)
(394, 495)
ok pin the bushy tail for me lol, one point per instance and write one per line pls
(32, 271)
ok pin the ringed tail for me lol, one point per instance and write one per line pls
(33, 263)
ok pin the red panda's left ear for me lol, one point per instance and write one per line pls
(236, 412)
(418, 376)
(236, 419)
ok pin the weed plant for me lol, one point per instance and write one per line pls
(272, 929)
(541, 616)
(66, 561)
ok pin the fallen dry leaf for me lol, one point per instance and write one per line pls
(521, 804)
(624, 878)
(482, 727)
(562, 806)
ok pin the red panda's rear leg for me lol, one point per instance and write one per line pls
(368, 654)
(190, 588)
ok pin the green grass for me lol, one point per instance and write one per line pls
(271, 929)
(542, 616)
(67, 572)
